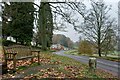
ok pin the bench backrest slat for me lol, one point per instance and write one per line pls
(9, 56)
(21, 51)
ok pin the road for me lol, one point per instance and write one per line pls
(110, 66)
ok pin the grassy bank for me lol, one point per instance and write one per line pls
(115, 58)
(72, 52)
(110, 57)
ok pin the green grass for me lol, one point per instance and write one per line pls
(113, 56)
(117, 59)
(55, 66)
(114, 53)
(108, 57)
(22, 68)
(52, 50)
(25, 67)
(82, 69)
(72, 52)
(34, 64)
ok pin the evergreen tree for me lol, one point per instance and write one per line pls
(21, 25)
(45, 22)
(5, 23)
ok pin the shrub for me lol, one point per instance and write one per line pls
(7, 42)
(85, 47)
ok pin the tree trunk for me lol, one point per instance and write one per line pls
(99, 52)
(99, 45)
(105, 54)
(16, 40)
(99, 39)
(44, 47)
(36, 44)
(22, 42)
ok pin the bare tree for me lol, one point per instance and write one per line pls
(119, 26)
(97, 22)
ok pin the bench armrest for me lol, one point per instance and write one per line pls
(10, 55)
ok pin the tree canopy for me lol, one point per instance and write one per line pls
(45, 25)
(20, 27)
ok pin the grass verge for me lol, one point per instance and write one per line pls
(111, 58)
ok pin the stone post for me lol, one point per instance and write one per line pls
(92, 64)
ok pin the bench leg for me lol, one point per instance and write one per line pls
(14, 64)
(32, 60)
(4, 68)
(38, 58)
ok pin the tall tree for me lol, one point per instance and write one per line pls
(5, 23)
(45, 22)
(96, 23)
(118, 26)
(21, 25)
(1, 24)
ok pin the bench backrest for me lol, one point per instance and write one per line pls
(21, 51)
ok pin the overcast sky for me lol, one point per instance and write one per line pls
(71, 33)
(74, 36)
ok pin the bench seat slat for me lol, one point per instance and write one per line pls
(25, 57)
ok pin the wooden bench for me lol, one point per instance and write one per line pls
(19, 52)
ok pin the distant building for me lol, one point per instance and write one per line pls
(65, 48)
(119, 26)
(57, 47)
